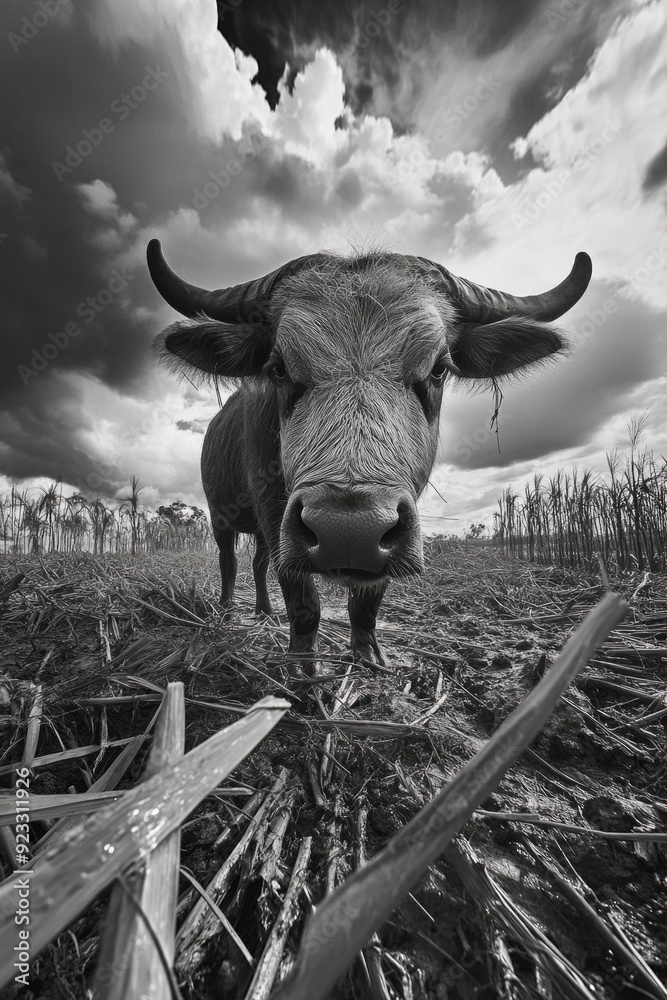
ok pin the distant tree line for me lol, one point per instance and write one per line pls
(45, 520)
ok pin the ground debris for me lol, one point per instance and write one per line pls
(360, 751)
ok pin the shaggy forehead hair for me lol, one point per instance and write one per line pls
(353, 313)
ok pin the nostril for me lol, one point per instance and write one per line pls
(392, 536)
(397, 531)
(308, 537)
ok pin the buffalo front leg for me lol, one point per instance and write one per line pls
(363, 605)
(226, 539)
(303, 612)
(260, 565)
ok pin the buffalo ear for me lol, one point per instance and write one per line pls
(224, 350)
(491, 350)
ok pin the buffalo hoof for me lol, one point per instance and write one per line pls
(270, 617)
(368, 652)
(314, 668)
(226, 610)
(263, 609)
(304, 665)
(301, 669)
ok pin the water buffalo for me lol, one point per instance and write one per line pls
(323, 450)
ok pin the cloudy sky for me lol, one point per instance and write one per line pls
(496, 138)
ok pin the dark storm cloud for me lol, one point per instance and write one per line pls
(350, 189)
(369, 38)
(289, 182)
(56, 278)
(386, 51)
(65, 305)
(656, 171)
(273, 178)
(121, 122)
(497, 24)
(277, 35)
(45, 438)
(454, 195)
(532, 98)
(568, 34)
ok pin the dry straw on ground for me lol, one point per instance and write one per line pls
(554, 887)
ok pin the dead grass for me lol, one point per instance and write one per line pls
(555, 888)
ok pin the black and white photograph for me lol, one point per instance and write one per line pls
(333, 500)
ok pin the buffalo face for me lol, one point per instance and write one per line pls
(358, 365)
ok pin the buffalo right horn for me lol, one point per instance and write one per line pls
(486, 305)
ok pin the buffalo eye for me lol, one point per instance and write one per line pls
(291, 392)
(426, 389)
(440, 369)
(278, 371)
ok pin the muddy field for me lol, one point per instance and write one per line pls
(545, 894)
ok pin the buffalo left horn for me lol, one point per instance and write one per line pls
(240, 303)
